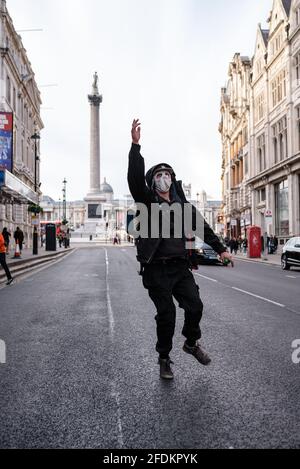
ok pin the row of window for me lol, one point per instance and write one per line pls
(278, 90)
(22, 109)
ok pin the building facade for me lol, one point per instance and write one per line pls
(234, 129)
(273, 167)
(20, 120)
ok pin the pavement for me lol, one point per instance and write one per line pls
(27, 254)
(81, 369)
(274, 259)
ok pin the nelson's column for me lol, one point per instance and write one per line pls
(95, 198)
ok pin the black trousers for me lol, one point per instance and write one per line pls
(163, 282)
(4, 265)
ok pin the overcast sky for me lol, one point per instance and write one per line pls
(163, 61)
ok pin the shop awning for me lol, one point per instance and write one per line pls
(12, 186)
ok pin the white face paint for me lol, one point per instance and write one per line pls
(163, 181)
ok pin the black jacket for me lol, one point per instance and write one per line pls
(143, 192)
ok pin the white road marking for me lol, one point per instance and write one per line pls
(109, 307)
(290, 276)
(207, 278)
(115, 394)
(259, 297)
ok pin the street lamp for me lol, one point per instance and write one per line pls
(59, 201)
(35, 137)
(64, 191)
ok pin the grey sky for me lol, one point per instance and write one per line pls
(163, 61)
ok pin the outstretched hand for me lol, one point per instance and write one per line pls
(228, 257)
(136, 131)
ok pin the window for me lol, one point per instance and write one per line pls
(297, 67)
(258, 67)
(246, 166)
(8, 90)
(261, 153)
(14, 99)
(277, 43)
(259, 107)
(297, 16)
(280, 143)
(245, 136)
(22, 109)
(282, 208)
(278, 87)
(262, 195)
(298, 126)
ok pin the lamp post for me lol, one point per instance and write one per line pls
(35, 137)
(64, 191)
(59, 201)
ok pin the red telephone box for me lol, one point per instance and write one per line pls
(254, 242)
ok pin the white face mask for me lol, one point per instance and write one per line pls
(163, 181)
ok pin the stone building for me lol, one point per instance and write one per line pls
(19, 120)
(274, 118)
(234, 129)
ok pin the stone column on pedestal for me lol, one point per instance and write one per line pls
(95, 198)
(95, 99)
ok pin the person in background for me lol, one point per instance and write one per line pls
(3, 260)
(19, 236)
(275, 243)
(6, 235)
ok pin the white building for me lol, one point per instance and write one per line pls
(234, 129)
(19, 111)
(273, 168)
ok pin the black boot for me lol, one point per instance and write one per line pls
(165, 368)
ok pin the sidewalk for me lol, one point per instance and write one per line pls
(273, 259)
(27, 255)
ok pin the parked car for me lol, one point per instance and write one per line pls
(206, 254)
(291, 254)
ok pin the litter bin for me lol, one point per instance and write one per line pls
(50, 237)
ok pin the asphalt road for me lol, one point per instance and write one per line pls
(81, 370)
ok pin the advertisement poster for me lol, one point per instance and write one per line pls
(6, 141)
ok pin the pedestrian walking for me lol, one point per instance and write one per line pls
(275, 244)
(6, 235)
(245, 245)
(233, 244)
(3, 260)
(271, 245)
(67, 238)
(165, 262)
(19, 236)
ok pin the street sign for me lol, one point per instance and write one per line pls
(268, 214)
(233, 222)
(34, 220)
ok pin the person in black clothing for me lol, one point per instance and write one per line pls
(19, 236)
(166, 268)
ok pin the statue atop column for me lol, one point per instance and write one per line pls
(95, 98)
(95, 84)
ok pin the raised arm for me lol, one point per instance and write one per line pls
(136, 167)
